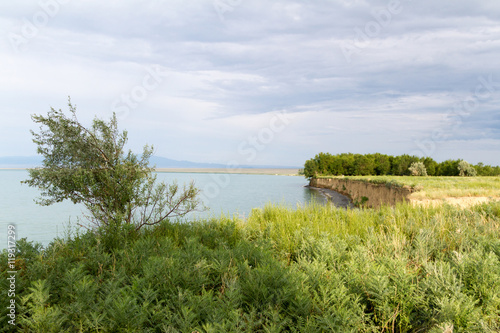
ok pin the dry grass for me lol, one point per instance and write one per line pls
(441, 187)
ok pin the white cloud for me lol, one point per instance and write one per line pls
(222, 80)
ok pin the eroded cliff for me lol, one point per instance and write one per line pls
(361, 192)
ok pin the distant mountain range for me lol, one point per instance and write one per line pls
(159, 162)
(20, 161)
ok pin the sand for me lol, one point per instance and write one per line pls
(249, 171)
(278, 172)
(463, 202)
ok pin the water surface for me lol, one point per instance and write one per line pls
(230, 194)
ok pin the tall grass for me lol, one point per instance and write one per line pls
(310, 269)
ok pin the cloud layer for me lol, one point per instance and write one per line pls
(207, 80)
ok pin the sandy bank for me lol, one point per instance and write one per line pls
(374, 195)
(248, 171)
(279, 172)
(463, 202)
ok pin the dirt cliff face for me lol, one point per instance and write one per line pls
(367, 194)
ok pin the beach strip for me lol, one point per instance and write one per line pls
(249, 171)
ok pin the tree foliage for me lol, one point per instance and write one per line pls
(418, 169)
(349, 164)
(465, 169)
(90, 166)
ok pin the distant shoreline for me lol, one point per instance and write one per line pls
(247, 171)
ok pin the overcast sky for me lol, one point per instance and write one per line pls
(260, 82)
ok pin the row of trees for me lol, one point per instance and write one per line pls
(349, 164)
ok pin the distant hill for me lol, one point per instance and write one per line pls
(158, 161)
(163, 162)
(20, 161)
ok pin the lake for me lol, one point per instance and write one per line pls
(230, 194)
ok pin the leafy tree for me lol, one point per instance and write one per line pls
(430, 166)
(487, 170)
(465, 169)
(482, 170)
(310, 169)
(349, 164)
(363, 165)
(382, 164)
(335, 166)
(398, 166)
(324, 160)
(448, 168)
(418, 169)
(90, 166)
(403, 164)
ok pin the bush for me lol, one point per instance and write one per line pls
(418, 169)
(465, 169)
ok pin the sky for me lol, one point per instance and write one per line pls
(254, 82)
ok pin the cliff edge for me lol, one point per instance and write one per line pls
(365, 193)
(374, 195)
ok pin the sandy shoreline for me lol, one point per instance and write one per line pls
(337, 199)
(270, 171)
(248, 171)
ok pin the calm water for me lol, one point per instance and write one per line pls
(230, 194)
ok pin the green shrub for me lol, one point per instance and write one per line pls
(418, 169)
(465, 169)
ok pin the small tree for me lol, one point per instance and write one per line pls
(310, 168)
(90, 166)
(418, 169)
(465, 169)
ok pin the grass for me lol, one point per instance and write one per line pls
(310, 269)
(439, 187)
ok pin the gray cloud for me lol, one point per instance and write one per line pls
(227, 71)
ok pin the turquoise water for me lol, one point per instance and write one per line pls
(230, 194)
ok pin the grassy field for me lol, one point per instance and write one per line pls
(310, 269)
(440, 187)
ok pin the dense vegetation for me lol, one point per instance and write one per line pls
(313, 269)
(349, 164)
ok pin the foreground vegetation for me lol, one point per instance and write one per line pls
(438, 187)
(312, 269)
